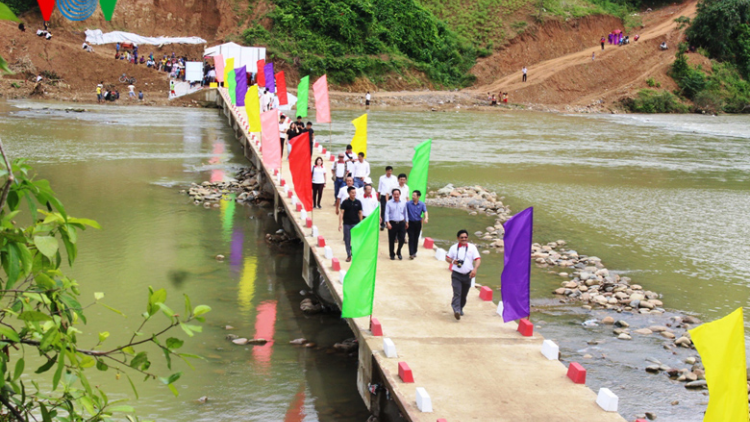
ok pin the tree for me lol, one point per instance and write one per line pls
(41, 314)
(6, 14)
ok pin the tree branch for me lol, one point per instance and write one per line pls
(11, 178)
(13, 410)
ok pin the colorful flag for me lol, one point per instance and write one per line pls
(232, 88)
(270, 148)
(299, 166)
(219, 67)
(46, 6)
(270, 83)
(228, 67)
(302, 92)
(240, 78)
(322, 105)
(108, 8)
(359, 282)
(359, 142)
(515, 282)
(260, 76)
(252, 109)
(281, 88)
(420, 164)
(721, 345)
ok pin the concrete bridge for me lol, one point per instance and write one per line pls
(476, 369)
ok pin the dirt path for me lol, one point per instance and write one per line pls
(569, 73)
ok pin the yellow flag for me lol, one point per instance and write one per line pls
(359, 142)
(252, 108)
(228, 67)
(721, 345)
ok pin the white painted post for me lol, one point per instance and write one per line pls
(286, 189)
(550, 350)
(607, 400)
(294, 200)
(342, 275)
(424, 403)
(315, 231)
(328, 252)
(500, 308)
(440, 254)
(389, 348)
(303, 216)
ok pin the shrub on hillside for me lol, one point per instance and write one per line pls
(722, 28)
(650, 101)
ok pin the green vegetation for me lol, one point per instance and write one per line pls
(6, 14)
(650, 101)
(652, 83)
(722, 27)
(20, 6)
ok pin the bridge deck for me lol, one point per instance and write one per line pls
(478, 369)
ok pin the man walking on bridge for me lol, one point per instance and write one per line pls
(397, 221)
(465, 260)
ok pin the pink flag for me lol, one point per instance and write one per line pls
(270, 146)
(322, 105)
(219, 67)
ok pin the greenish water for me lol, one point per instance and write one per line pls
(663, 199)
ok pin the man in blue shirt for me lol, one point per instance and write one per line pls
(414, 210)
(397, 222)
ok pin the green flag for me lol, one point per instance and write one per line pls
(420, 165)
(108, 7)
(302, 91)
(359, 282)
(231, 83)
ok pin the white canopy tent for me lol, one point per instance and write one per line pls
(243, 56)
(97, 37)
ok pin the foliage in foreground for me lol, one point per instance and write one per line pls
(722, 27)
(42, 317)
(650, 101)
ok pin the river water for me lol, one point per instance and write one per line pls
(663, 199)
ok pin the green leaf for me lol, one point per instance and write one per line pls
(172, 378)
(46, 367)
(98, 295)
(101, 365)
(103, 336)
(166, 309)
(113, 309)
(9, 333)
(20, 364)
(44, 281)
(174, 343)
(188, 306)
(58, 372)
(45, 413)
(51, 336)
(194, 328)
(47, 245)
(173, 390)
(129, 350)
(13, 267)
(34, 316)
(139, 359)
(201, 309)
(123, 408)
(88, 405)
(186, 329)
(6, 14)
(135, 391)
(87, 362)
(85, 221)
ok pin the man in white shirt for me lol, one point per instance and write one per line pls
(361, 170)
(397, 222)
(344, 193)
(369, 202)
(386, 184)
(350, 158)
(283, 127)
(403, 187)
(131, 91)
(465, 260)
(367, 100)
(338, 174)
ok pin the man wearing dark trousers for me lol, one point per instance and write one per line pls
(397, 223)
(414, 209)
(385, 185)
(350, 216)
(464, 259)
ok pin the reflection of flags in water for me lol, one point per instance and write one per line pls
(721, 345)
(296, 411)
(265, 327)
(246, 288)
(235, 258)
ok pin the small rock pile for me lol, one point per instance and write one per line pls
(694, 377)
(245, 189)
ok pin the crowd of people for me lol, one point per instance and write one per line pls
(616, 37)
(172, 65)
(496, 99)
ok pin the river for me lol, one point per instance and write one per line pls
(663, 199)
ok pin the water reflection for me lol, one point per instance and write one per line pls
(246, 291)
(265, 328)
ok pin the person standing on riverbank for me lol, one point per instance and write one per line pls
(386, 184)
(414, 209)
(367, 100)
(350, 216)
(338, 173)
(397, 222)
(602, 42)
(524, 70)
(99, 89)
(361, 170)
(465, 260)
(318, 181)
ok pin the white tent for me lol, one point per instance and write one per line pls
(243, 56)
(97, 37)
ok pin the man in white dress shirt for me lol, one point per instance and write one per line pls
(361, 170)
(344, 193)
(369, 202)
(386, 184)
(403, 187)
(464, 259)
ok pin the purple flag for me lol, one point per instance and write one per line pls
(240, 76)
(515, 283)
(268, 73)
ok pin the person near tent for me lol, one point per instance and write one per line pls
(602, 42)
(611, 35)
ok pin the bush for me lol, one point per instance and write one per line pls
(650, 101)
(651, 82)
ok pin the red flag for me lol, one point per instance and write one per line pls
(46, 6)
(260, 79)
(281, 88)
(322, 105)
(299, 165)
(270, 147)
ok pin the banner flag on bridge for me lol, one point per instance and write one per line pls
(268, 75)
(228, 67)
(108, 8)
(299, 166)
(515, 282)
(359, 141)
(721, 345)
(231, 79)
(322, 105)
(420, 165)
(260, 77)
(302, 94)
(359, 282)
(46, 6)
(270, 148)
(252, 109)
(240, 78)
(281, 88)
(219, 67)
